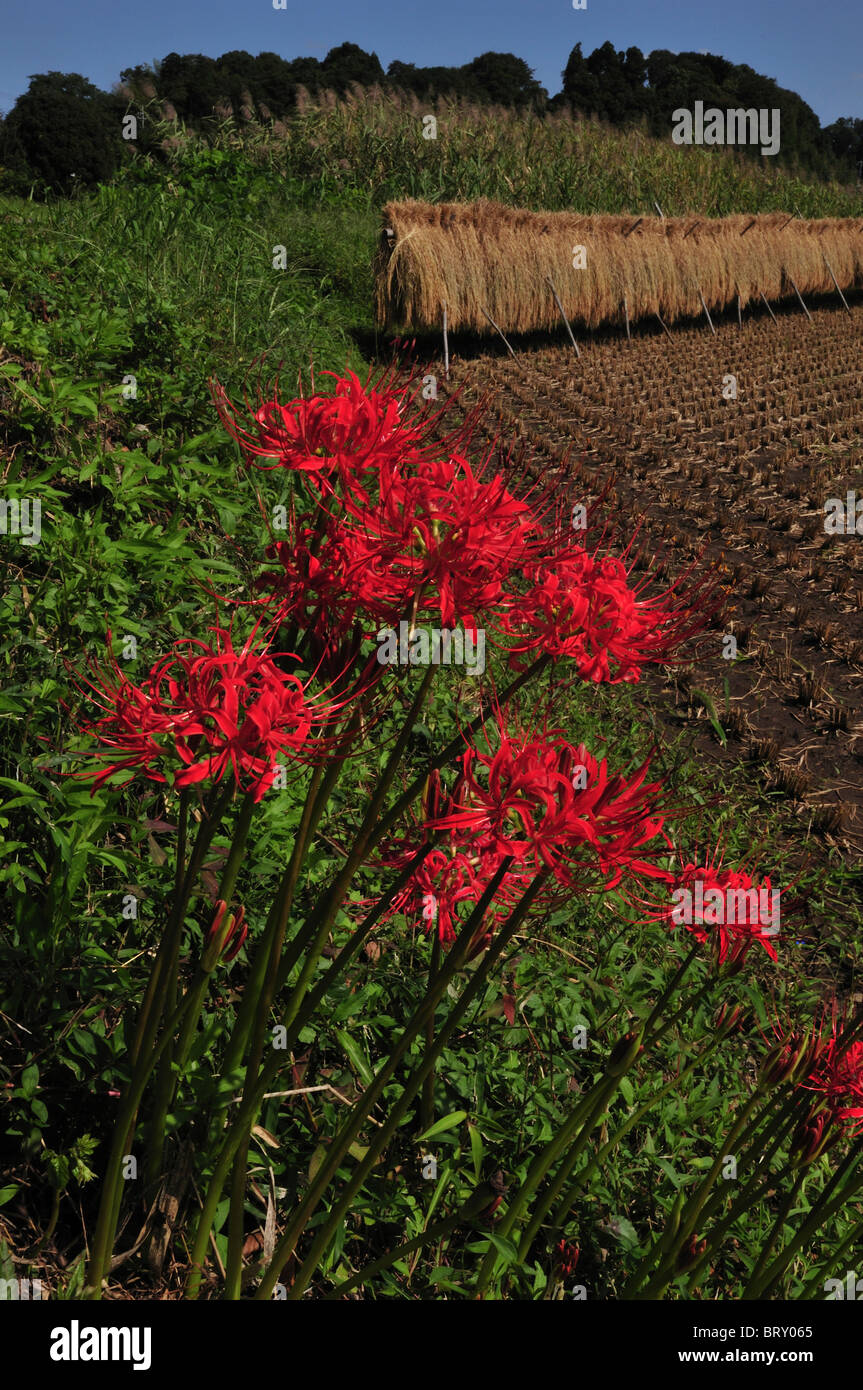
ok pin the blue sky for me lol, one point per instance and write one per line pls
(814, 49)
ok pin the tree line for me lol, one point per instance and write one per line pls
(63, 129)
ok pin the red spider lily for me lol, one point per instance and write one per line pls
(342, 436)
(449, 875)
(436, 539)
(443, 881)
(211, 709)
(725, 907)
(837, 1075)
(580, 605)
(312, 584)
(441, 537)
(523, 801)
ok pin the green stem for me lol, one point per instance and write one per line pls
(821, 1212)
(103, 1238)
(248, 1108)
(427, 1103)
(167, 1077)
(354, 1122)
(413, 1084)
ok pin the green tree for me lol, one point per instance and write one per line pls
(63, 133)
(349, 63)
(504, 80)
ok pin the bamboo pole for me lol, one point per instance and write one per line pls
(800, 297)
(836, 283)
(634, 225)
(562, 315)
(707, 311)
(662, 325)
(499, 330)
(626, 312)
(767, 306)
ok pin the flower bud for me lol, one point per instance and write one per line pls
(226, 927)
(689, 1254)
(727, 1020)
(624, 1053)
(812, 1138)
(780, 1064)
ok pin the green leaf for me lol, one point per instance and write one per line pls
(441, 1126)
(476, 1149)
(30, 1080)
(504, 1247)
(355, 1055)
(7, 1193)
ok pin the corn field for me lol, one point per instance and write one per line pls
(383, 145)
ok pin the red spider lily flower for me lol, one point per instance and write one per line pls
(224, 939)
(525, 802)
(208, 709)
(580, 606)
(441, 537)
(565, 1258)
(312, 585)
(837, 1075)
(451, 877)
(353, 431)
(343, 435)
(443, 881)
(724, 907)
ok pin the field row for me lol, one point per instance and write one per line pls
(733, 446)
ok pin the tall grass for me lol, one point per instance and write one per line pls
(373, 142)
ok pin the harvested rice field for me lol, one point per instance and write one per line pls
(746, 479)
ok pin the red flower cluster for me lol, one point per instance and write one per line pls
(552, 806)
(407, 527)
(724, 907)
(337, 437)
(836, 1073)
(206, 710)
(581, 606)
(442, 537)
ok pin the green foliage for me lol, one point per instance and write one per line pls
(62, 134)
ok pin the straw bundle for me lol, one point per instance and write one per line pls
(475, 256)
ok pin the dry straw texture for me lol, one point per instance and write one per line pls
(475, 256)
